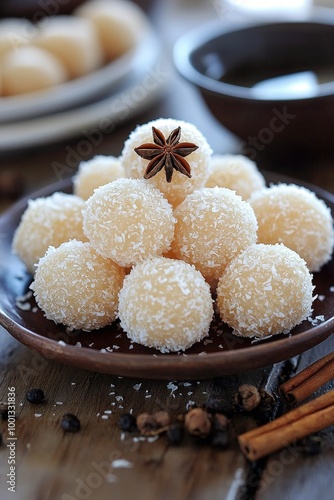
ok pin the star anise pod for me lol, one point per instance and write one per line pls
(166, 153)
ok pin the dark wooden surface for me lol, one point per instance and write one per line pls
(53, 465)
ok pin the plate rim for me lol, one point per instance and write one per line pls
(180, 367)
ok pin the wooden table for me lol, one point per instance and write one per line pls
(52, 465)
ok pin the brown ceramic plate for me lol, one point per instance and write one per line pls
(109, 351)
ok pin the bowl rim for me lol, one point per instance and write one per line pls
(191, 41)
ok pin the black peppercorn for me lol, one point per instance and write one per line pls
(216, 405)
(35, 396)
(127, 422)
(175, 433)
(220, 439)
(70, 423)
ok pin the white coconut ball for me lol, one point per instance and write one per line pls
(48, 221)
(73, 41)
(266, 290)
(128, 220)
(96, 172)
(213, 225)
(30, 69)
(235, 172)
(120, 24)
(180, 186)
(76, 287)
(165, 304)
(295, 216)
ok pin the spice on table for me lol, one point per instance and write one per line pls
(247, 397)
(175, 433)
(198, 422)
(220, 439)
(308, 380)
(127, 422)
(166, 153)
(296, 424)
(217, 405)
(146, 423)
(70, 423)
(35, 396)
(267, 409)
(162, 418)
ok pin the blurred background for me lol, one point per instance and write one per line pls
(87, 104)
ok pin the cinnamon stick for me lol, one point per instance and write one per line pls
(309, 380)
(296, 424)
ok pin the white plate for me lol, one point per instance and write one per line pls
(67, 94)
(139, 89)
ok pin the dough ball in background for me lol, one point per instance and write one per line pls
(30, 69)
(74, 41)
(119, 23)
(15, 33)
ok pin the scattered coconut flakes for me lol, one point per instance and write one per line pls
(103, 350)
(148, 396)
(131, 346)
(331, 288)
(108, 412)
(221, 346)
(190, 404)
(61, 342)
(91, 345)
(151, 439)
(116, 347)
(189, 393)
(187, 384)
(28, 446)
(121, 463)
(123, 436)
(321, 298)
(34, 309)
(73, 383)
(203, 353)
(119, 398)
(78, 344)
(137, 387)
(38, 415)
(105, 417)
(59, 402)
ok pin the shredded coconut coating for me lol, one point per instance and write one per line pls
(96, 172)
(180, 186)
(165, 304)
(48, 221)
(129, 220)
(235, 172)
(293, 215)
(77, 287)
(266, 290)
(213, 226)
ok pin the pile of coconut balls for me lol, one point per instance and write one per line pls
(160, 254)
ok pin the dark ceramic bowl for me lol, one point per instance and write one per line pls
(272, 85)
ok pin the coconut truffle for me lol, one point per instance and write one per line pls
(293, 215)
(73, 41)
(48, 221)
(180, 186)
(266, 290)
(77, 287)
(128, 220)
(165, 304)
(96, 172)
(120, 24)
(235, 172)
(30, 69)
(213, 225)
